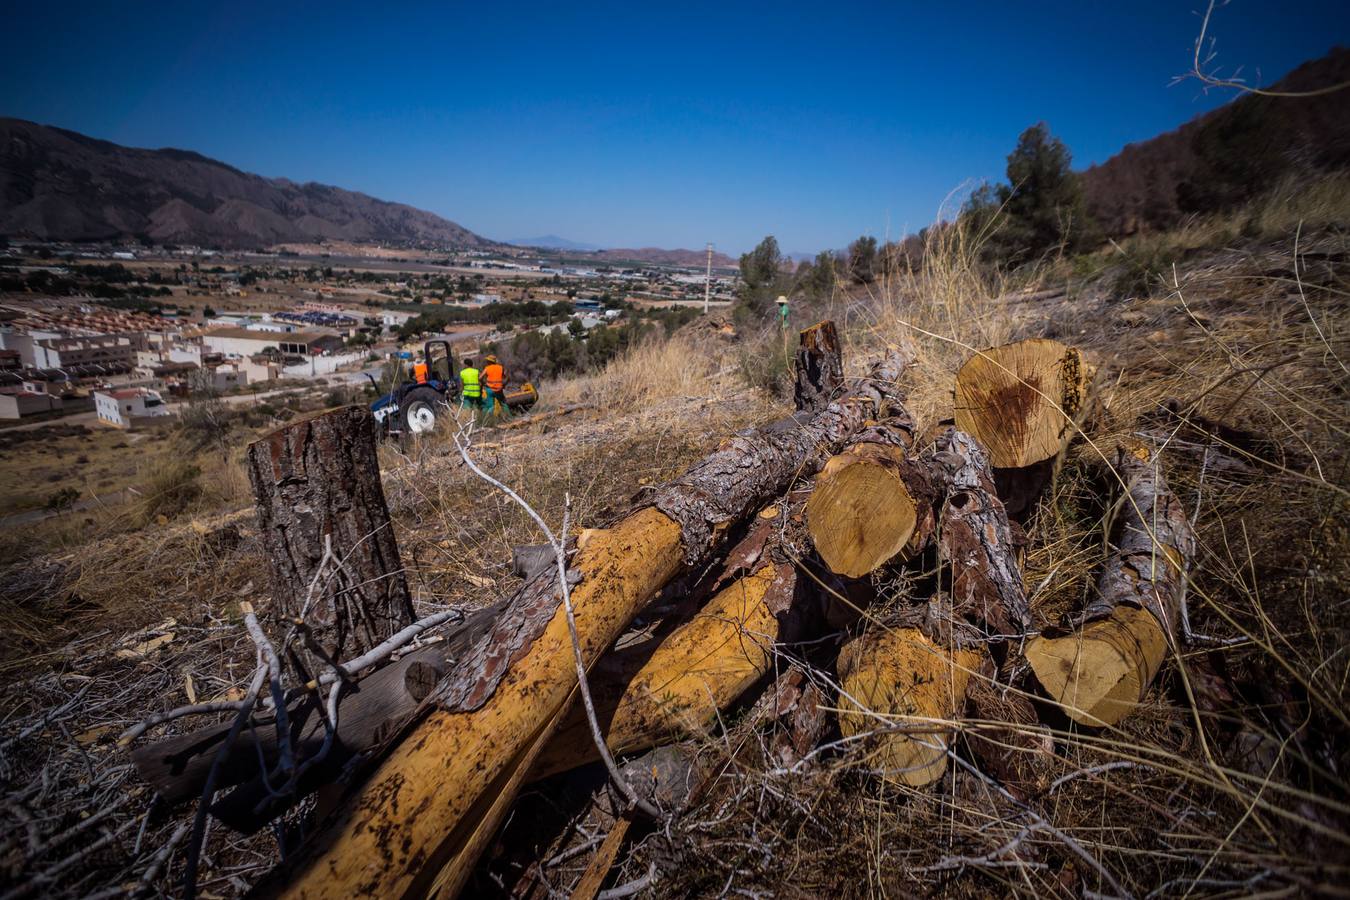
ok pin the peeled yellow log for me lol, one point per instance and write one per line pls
(901, 679)
(1019, 400)
(647, 697)
(1097, 675)
(1100, 672)
(420, 815)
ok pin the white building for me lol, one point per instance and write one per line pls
(130, 407)
(17, 404)
(393, 318)
(241, 342)
(103, 350)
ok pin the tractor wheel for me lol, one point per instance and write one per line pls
(420, 409)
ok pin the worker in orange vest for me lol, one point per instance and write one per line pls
(494, 380)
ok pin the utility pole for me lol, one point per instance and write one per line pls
(707, 282)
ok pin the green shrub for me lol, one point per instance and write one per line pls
(766, 364)
(171, 491)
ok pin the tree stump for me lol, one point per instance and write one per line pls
(325, 525)
(1020, 400)
(820, 367)
(909, 690)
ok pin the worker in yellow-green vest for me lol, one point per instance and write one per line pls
(470, 388)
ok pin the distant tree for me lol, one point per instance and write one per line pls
(1040, 210)
(816, 279)
(862, 259)
(761, 278)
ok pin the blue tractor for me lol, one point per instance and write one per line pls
(415, 404)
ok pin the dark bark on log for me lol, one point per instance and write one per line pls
(529, 560)
(820, 367)
(1154, 545)
(316, 483)
(796, 708)
(976, 543)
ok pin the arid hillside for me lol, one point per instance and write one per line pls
(1227, 157)
(1227, 363)
(63, 186)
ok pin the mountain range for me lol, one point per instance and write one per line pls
(61, 185)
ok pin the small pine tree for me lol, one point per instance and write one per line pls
(1041, 209)
(761, 278)
(862, 260)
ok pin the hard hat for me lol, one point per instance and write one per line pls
(782, 301)
(491, 358)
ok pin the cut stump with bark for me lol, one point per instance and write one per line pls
(324, 523)
(1100, 672)
(900, 682)
(820, 367)
(1020, 400)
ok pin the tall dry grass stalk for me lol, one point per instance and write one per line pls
(947, 306)
(645, 375)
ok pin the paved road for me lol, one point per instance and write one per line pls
(84, 418)
(34, 516)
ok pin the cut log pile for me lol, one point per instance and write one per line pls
(774, 547)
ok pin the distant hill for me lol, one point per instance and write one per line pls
(60, 185)
(1228, 156)
(654, 255)
(666, 257)
(551, 242)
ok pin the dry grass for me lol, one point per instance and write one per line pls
(97, 460)
(1228, 780)
(642, 378)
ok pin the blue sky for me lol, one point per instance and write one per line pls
(633, 123)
